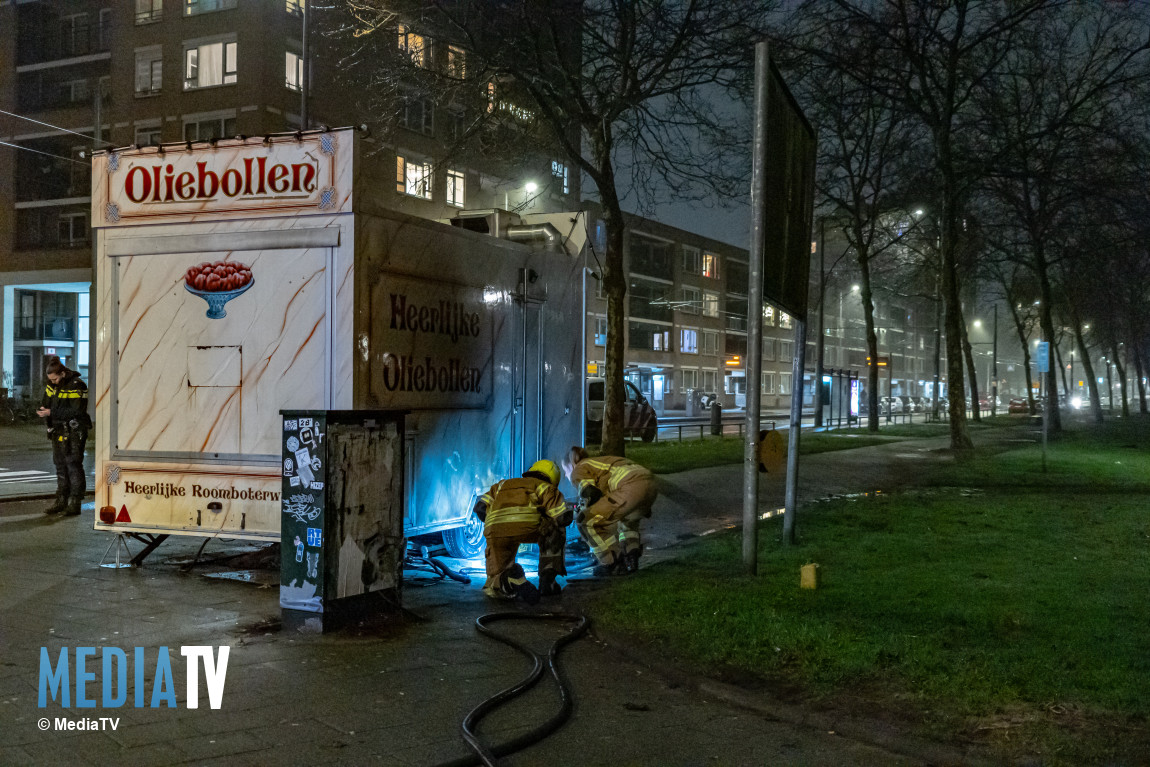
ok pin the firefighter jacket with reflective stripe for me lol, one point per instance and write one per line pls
(514, 506)
(68, 401)
(606, 473)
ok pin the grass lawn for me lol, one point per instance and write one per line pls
(670, 457)
(1013, 610)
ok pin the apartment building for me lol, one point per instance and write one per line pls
(79, 74)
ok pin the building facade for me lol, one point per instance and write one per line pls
(82, 74)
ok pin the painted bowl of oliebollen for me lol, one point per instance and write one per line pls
(217, 283)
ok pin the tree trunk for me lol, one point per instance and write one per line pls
(1088, 373)
(1046, 320)
(871, 339)
(1121, 368)
(1062, 373)
(1140, 371)
(615, 285)
(968, 353)
(1024, 342)
(959, 439)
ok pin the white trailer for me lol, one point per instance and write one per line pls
(248, 276)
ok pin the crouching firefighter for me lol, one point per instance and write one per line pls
(65, 410)
(616, 495)
(528, 509)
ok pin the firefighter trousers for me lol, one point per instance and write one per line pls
(500, 558)
(611, 525)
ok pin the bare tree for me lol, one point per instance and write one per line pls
(643, 97)
(1055, 100)
(865, 149)
(939, 54)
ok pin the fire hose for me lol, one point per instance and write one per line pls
(488, 755)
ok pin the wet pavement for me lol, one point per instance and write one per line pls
(393, 693)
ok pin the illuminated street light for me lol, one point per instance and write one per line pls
(531, 186)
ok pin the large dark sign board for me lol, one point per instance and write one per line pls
(788, 202)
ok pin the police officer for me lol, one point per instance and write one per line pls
(65, 408)
(617, 494)
(527, 509)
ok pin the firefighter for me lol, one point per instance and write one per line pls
(528, 509)
(616, 494)
(65, 408)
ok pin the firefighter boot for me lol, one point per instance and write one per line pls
(631, 560)
(548, 587)
(614, 567)
(523, 589)
(60, 505)
(73, 507)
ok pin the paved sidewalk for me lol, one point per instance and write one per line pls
(394, 694)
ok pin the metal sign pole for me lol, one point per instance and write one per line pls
(755, 316)
(795, 428)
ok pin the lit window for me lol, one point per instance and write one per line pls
(192, 7)
(149, 71)
(559, 171)
(661, 342)
(689, 341)
(294, 7)
(293, 71)
(455, 188)
(768, 315)
(490, 98)
(210, 64)
(711, 304)
(414, 47)
(711, 266)
(413, 178)
(784, 320)
(456, 62)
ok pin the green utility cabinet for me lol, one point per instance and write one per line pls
(342, 504)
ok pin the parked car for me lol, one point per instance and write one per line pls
(639, 417)
(889, 405)
(1018, 405)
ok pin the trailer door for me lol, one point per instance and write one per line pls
(527, 439)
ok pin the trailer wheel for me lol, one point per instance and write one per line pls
(465, 541)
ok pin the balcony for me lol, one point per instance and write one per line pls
(51, 89)
(53, 41)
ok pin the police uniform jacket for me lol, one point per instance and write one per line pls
(68, 401)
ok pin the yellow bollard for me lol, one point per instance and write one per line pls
(809, 576)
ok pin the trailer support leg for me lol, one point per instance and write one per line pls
(151, 542)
